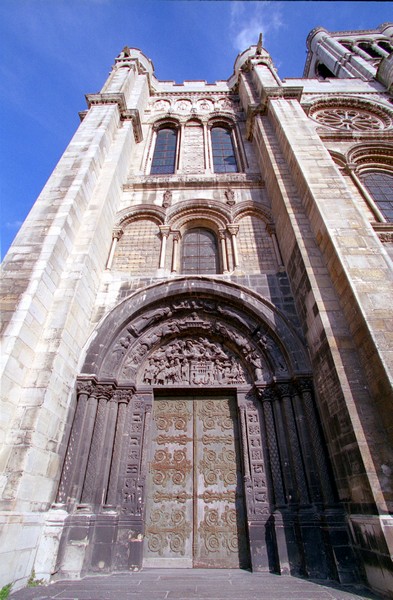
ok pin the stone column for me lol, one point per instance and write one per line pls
(96, 471)
(74, 469)
(268, 397)
(206, 148)
(272, 232)
(364, 192)
(116, 235)
(175, 252)
(380, 50)
(305, 388)
(233, 230)
(297, 469)
(224, 255)
(179, 148)
(123, 398)
(164, 230)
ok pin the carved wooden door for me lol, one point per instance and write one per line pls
(195, 505)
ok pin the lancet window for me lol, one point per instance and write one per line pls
(164, 157)
(224, 159)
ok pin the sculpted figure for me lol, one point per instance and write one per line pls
(148, 319)
(256, 362)
(167, 199)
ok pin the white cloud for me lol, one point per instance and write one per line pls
(249, 19)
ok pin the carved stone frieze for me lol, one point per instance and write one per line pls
(193, 361)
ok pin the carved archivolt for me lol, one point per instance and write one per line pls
(198, 331)
(195, 342)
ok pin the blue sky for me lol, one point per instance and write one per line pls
(52, 52)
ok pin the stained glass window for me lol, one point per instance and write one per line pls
(224, 160)
(199, 252)
(380, 186)
(164, 152)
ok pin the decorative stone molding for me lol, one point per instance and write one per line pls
(233, 180)
(126, 114)
(350, 114)
(384, 232)
(195, 103)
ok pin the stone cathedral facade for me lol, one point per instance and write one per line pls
(198, 328)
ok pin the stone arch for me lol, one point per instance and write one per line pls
(182, 213)
(149, 211)
(140, 319)
(371, 156)
(264, 366)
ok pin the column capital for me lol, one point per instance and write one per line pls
(233, 229)
(117, 233)
(165, 230)
(222, 233)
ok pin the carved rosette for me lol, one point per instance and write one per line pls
(219, 530)
(168, 528)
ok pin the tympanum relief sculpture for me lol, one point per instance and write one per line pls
(195, 362)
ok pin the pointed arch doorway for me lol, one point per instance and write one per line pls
(195, 508)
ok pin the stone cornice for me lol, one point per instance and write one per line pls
(384, 231)
(235, 180)
(267, 94)
(360, 136)
(195, 94)
(126, 114)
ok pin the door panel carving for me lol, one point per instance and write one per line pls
(195, 507)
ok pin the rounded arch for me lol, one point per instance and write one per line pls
(214, 214)
(147, 211)
(371, 156)
(239, 323)
(219, 120)
(248, 208)
(165, 122)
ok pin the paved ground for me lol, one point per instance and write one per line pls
(203, 584)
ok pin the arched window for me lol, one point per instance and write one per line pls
(367, 47)
(199, 252)
(164, 157)
(323, 72)
(224, 160)
(380, 186)
(385, 46)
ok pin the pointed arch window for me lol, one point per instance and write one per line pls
(224, 159)
(164, 157)
(380, 187)
(199, 252)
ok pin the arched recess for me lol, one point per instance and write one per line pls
(198, 336)
(201, 213)
(258, 247)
